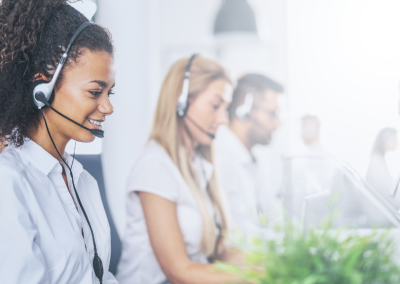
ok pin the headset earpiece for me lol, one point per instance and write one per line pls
(183, 103)
(34, 102)
(243, 111)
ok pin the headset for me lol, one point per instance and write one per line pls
(182, 105)
(243, 111)
(42, 92)
(42, 95)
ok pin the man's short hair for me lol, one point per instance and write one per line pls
(256, 82)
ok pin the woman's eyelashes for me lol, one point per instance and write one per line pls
(217, 103)
(216, 106)
(97, 94)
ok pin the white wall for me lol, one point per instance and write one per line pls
(135, 28)
(344, 66)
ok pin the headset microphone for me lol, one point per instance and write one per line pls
(39, 96)
(212, 136)
(183, 104)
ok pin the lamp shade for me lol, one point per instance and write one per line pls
(235, 16)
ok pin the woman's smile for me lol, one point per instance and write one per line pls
(97, 124)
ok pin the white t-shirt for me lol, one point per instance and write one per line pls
(40, 229)
(156, 173)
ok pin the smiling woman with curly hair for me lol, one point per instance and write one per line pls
(45, 232)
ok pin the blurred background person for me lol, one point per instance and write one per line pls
(309, 169)
(253, 116)
(310, 133)
(378, 174)
(175, 210)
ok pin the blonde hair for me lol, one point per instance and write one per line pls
(168, 132)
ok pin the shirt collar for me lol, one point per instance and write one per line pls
(235, 146)
(38, 157)
(77, 167)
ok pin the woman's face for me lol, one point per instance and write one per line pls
(83, 96)
(208, 111)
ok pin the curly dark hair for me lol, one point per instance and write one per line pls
(33, 37)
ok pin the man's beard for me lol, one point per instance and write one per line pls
(266, 139)
(258, 137)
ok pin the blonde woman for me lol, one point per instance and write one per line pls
(175, 210)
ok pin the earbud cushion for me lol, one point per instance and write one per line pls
(31, 95)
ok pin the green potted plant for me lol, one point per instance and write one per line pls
(321, 256)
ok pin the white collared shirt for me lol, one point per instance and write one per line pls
(155, 172)
(238, 174)
(40, 228)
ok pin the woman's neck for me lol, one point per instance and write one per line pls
(41, 137)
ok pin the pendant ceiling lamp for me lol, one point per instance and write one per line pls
(235, 16)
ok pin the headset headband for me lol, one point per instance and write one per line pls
(182, 104)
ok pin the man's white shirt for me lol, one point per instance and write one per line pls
(239, 176)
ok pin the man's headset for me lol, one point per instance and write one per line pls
(243, 111)
(42, 95)
(183, 104)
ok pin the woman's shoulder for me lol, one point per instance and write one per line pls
(13, 183)
(154, 171)
(154, 154)
(11, 165)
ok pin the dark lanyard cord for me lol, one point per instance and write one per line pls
(96, 257)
